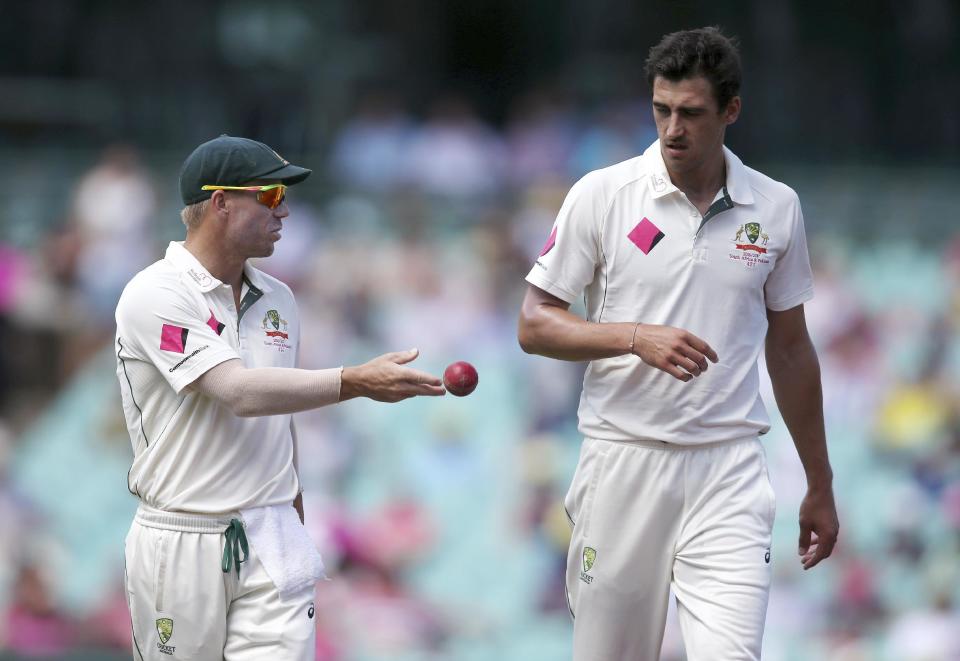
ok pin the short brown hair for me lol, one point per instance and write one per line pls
(704, 52)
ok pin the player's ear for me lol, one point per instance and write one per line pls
(218, 201)
(732, 111)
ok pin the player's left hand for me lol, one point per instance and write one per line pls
(819, 526)
(298, 505)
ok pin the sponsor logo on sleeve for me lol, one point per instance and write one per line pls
(205, 346)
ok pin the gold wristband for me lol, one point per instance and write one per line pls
(633, 338)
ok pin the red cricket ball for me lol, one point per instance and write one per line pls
(460, 378)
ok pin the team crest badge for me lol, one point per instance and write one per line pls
(165, 629)
(275, 329)
(272, 320)
(749, 245)
(754, 233)
(589, 557)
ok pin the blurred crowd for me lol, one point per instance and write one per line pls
(441, 522)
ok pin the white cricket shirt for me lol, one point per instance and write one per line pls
(639, 250)
(175, 321)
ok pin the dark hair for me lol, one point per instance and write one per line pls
(705, 52)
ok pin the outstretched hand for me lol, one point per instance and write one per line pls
(679, 353)
(385, 379)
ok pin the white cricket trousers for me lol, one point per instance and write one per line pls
(650, 516)
(184, 606)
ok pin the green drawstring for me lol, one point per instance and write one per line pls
(236, 541)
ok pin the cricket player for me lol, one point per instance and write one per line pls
(218, 564)
(690, 263)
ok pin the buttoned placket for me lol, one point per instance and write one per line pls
(723, 202)
(697, 253)
(249, 295)
(661, 184)
(238, 317)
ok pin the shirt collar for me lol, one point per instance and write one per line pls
(738, 181)
(256, 278)
(184, 260)
(660, 182)
(738, 184)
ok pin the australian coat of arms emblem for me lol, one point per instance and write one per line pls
(753, 233)
(272, 320)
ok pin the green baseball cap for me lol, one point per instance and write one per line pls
(231, 161)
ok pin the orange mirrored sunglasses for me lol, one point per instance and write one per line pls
(270, 196)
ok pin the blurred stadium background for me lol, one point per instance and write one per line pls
(444, 136)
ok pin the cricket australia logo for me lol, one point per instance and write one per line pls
(275, 331)
(165, 631)
(754, 232)
(752, 251)
(589, 557)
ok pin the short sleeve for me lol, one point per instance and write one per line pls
(296, 328)
(162, 324)
(568, 260)
(790, 283)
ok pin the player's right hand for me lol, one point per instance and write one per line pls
(386, 379)
(679, 353)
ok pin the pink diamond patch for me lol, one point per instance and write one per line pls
(645, 235)
(551, 242)
(173, 338)
(213, 323)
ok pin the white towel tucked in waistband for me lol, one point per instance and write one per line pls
(288, 554)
